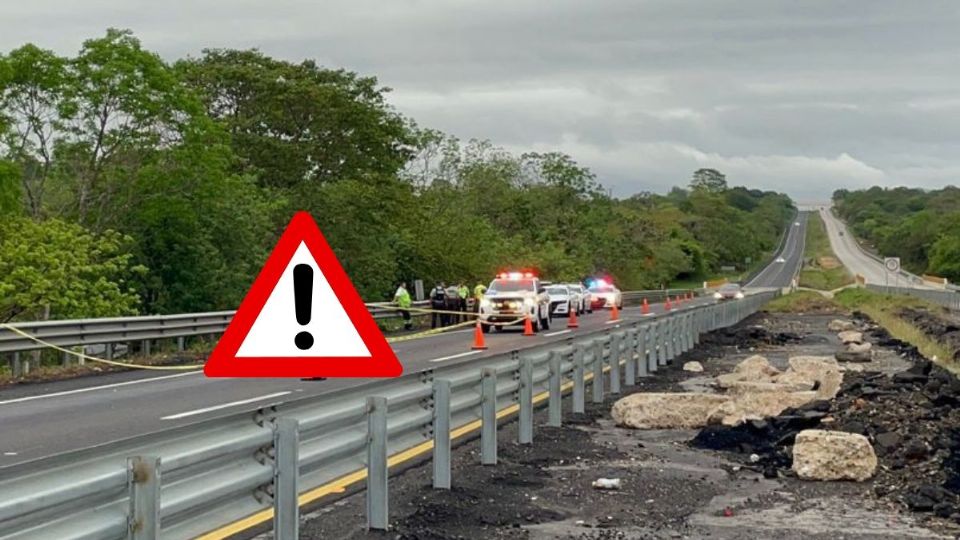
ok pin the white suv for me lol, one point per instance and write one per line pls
(513, 296)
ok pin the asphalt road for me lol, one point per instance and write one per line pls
(781, 275)
(44, 419)
(857, 262)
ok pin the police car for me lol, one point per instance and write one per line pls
(513, 296)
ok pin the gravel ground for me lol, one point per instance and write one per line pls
(669, 488)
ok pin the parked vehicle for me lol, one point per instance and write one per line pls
(562, 301)
(511, 297)
(730, 291)
(581, 297)
(605, 294)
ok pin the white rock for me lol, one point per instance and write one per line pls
(754, 369)
(665, 410)
(821, 369)
(694, 366)
(840, 325)
(833, 455)
(850, 336)
(606, 483)
(757, 405)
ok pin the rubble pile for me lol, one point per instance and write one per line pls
(749, 337)
(910, 418)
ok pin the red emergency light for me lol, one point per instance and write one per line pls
(516, 275)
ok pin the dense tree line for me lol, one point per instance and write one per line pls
(129, 184)
(922, 227)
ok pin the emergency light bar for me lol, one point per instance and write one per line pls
(515, 275)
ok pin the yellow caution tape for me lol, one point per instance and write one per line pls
(94, 358)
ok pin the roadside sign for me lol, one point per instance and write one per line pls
(892, 263)
(302, 318)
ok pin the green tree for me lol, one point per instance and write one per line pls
(65, 268)
(709, 180)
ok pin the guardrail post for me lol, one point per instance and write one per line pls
(15, 366)
(65, 358)
(181, 344)
(643, 366)
(579, 387)
(488, 416)
(615, 341)
(688, 332)
(441, 434)
(698, 326)
(143, 485)
(598, 372)
(662, 326)
(555, 407)
(377, 474)
(286, 479)
(525, 433)
(108, 351)
(631, 368)
(146, 347)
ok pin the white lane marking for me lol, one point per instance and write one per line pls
(613, 321)
(223, 406)
(101, 387)
(649, 314)
(9, 453)
(558, 333)
(455, 356)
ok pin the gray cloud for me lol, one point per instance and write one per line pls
(802, 97)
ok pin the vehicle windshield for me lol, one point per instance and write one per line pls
(602, 288)
(557, 290)
(730, 288)
(575, 288)
(510, 285)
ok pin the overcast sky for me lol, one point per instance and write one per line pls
(802, 97)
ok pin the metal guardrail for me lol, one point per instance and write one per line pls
(947, 299)
(108, 331)
(188, 481)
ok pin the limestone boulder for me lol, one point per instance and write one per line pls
(737, 388)
(856, 352)
(753, 369)
(841, 325)
(695, 367)
(666, 410)
(757, 405)
(850, 336)
(833, 455)
(822, 371)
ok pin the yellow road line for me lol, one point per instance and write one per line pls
(341, 484)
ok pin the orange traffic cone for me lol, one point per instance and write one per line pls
(479, 343)
(666, 305)
(646, 307)
(614, 313)
(572, 322)
(528, 327)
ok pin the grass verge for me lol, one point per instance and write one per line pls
(884, 309)
(815, 274)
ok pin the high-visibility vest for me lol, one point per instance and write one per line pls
(463, 292)
(402, 298)
(479, 291)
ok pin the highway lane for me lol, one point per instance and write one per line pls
(781, 275)
(851, 256)
(71, 415)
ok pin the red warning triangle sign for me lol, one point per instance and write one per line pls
(302, 318)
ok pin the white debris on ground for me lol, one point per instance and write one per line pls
(833, 455)
(694, 366)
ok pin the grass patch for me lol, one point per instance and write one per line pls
(884, 310)
(801, 302)
(818, 270)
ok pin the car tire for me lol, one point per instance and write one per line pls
(485, 328)
(545, 323)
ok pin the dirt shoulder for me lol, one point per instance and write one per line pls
(669, 489)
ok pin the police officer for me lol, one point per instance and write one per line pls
(403, 301)
(478, 293)
(462, 294)
(438, 302)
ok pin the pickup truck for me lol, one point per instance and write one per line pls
(511, 297)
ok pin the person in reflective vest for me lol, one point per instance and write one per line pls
(462, 294)
(478, 293)
(403, 301)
